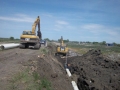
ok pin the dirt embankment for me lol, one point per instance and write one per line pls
(50, 68)
(13, 61)
(43, 61)
(96, 72)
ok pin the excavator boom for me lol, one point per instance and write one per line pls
(37, 22)
(61, 41)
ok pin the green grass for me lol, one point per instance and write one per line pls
(45, 84)
(104, 49)
(25, 81)
(8, 40)
(44, 50)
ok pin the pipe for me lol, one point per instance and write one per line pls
(7, 46)
(68, 72)
(1, 45)
(75, 87)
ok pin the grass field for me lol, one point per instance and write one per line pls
(26, 81)
(7, 40)
(104, 49)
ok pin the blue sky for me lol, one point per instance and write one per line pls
(76, 20)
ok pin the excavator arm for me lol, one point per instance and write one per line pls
(61, 41)
(37, 22)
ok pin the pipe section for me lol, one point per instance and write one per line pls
(68, 72)
(75, 87)
(8, 46)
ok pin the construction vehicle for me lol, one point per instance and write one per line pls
(43, 42)
(61, 49)
(29, 39)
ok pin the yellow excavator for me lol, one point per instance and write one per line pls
(29, 39)
(61, 49)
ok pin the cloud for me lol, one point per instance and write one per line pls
(47, 15)
(60, 25)
(100, 29)
(62, 22)
(18, 18)
(92, 26)
(112, 33)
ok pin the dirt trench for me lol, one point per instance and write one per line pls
(91, 71)
(53, 70)
(95, 71)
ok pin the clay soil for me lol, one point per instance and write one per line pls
(15, 60)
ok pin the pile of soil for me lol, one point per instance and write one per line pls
(51, 69)
(95, 71)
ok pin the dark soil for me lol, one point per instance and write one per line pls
(95, 71)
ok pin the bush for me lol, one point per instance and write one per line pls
(11, 38)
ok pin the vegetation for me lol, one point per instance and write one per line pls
(84, 48)
(47, 39)
(44, 50)
(65, 41)
(10, 40)
(25, 81)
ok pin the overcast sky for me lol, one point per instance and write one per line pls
(76, 20)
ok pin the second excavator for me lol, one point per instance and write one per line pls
(61, 49)
(29, 38)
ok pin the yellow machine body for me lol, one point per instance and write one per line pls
(29, 38)
(62, 49)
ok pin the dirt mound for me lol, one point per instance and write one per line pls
(51, 69)
(96, 72)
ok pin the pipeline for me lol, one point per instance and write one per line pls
(8, 46)
(68, 72)
(75, 87)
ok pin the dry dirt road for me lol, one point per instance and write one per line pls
(13, 61)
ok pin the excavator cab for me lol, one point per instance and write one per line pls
(27, 32)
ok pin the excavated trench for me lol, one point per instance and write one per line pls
(95, 71)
